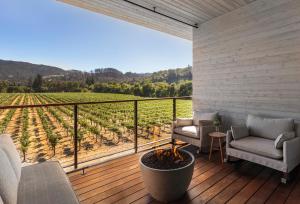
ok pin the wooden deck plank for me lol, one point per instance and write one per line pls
(245, 194)
(207, 195)
(200, 166)
(236, 186)
(294, 196)
(266, 190)
(120, 181)
(282, 192)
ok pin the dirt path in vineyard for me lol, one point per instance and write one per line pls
(39, 148)
(4, 112)
(14, 126)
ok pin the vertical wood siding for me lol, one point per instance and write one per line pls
(248, 61)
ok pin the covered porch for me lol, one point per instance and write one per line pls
(245, 61)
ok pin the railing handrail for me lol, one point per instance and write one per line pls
(90, 102)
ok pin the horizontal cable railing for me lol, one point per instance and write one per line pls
(90, 112)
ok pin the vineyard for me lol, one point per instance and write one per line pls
(47, 133)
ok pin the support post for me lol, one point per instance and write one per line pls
(174, 109)
(75, 136)
(135, 126)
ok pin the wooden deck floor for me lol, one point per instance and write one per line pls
(119, 181)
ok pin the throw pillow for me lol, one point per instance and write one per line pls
(184, 122)
(283, 137)
(239, 132)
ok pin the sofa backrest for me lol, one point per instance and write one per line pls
(8, 180)
(7, 145)
(269, 128)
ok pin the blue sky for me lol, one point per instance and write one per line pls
(54, 33)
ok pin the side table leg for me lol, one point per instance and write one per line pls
(211, 147)
(220, 144)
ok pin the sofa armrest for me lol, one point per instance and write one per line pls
(229, 138)
(291, 153)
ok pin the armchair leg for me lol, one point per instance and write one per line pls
(227, 159)
(285, 178)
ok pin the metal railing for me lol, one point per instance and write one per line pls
(75, 116)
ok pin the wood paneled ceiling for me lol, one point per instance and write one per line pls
(189, 11)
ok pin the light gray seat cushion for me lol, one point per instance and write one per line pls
(8, 180)
(45, 183)
(189, 131)
(257, 145)
(269, 128)
(7, 145)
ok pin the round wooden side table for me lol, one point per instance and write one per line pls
(216, 136)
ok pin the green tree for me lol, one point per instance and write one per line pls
(37, 83)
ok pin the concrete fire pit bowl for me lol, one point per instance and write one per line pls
(167, 185)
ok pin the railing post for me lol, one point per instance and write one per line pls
(174, 109)
(75, 136)
(135, 126)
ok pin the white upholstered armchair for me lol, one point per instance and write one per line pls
(194, 130)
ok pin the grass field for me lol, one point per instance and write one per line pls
(103, 129)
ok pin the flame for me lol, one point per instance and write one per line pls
(176, 154)
(162, 154)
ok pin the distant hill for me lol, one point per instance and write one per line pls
(15, 71)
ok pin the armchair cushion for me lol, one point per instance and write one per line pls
(283, 137)
(197, 116)
(257, 145)
(239, 132)
(184, 122)
(189, 131)
(269, 128)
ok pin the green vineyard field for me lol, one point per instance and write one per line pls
(103, 129)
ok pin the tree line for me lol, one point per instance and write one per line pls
(145, 88)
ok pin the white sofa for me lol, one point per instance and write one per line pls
(256, 143)
(44, 183)
(195, 130)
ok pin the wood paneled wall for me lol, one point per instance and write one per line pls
(248, 61)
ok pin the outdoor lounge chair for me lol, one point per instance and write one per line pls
(274, 143)
(44, 183)
(194, 130)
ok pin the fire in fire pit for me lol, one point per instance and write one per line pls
(166, 158)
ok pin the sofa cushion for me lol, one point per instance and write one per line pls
(269, 128)
(239, 132)
(197, 116)
(8, 180)
(8, 146)
(257, 145)
(283, 137)
(184, 122)
(189, 131)
(45, 183)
